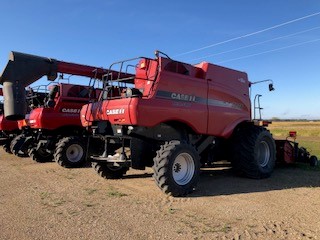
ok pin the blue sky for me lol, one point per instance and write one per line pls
(100, 32)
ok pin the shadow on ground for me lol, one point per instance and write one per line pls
(215, 182)
(142, 175)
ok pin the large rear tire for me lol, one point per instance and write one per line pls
(176, 168)
(16, 144)
(109, 172)
(254, 152)
(70, 152)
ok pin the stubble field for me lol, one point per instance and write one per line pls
(46, 201)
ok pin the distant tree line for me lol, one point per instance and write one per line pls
(275, 119)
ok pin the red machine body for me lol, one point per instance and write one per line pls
(286, 151)
(6, 125)
(65, 112)
(210, 99)
(174, 117)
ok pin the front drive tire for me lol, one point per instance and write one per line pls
(40, 155)
(109, 172)
(6, 146)
(70, 152)
(176, 168)
(254, 152)
(16, 145)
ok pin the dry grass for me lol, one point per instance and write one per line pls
(304, 129)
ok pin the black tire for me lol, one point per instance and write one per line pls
(70, 152)
(176, 168)
(303, 155)
(40, 155)
(254, 152)
(313, 161)
(16, 144)
(109, 172)
(6, 147)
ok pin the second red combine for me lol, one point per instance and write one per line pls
(53, 128)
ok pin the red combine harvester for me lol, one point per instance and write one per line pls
(54, 129)
(170, 115)
(177, 117)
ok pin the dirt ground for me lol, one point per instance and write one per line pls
(46, 201)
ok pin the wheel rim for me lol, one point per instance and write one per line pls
(183, 169)
(74, 153)
(264, 153)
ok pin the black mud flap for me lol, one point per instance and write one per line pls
(142, 154)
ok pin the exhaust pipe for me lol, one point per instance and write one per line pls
(22, 70)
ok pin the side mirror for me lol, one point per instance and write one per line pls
(271, 88)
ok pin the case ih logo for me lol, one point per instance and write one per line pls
(70, 110)
(183, 97)
(115, 111)
(196, 99)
